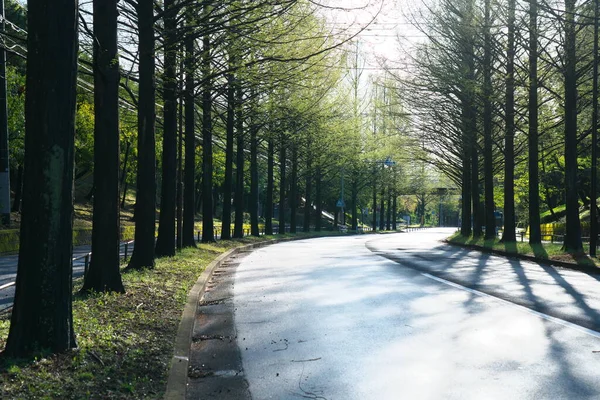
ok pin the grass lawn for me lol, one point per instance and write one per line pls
(545, 251)
(125, 341)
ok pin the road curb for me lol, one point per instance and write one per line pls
(551, 263)
(178, 371)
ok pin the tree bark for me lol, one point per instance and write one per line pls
(572, 241)
(189, 174)
(238, 228)
(382, 208)
(253, 208)
(145, 207)
(308, 191)
(165, 243)
(282, 159)
(318, 201)
(294, 189)
(509, 234)
(535, 234)
(228, 181)
(488, 162)
(208, 234)
(270, 187)
(104, 273)
(42, 314)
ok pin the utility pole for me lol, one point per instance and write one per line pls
(4, 161)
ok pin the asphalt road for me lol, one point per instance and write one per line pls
(403, 316)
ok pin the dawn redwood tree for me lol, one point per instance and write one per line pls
(572, 241)
(238, 199)
(282, 183)
(535, 234)
(254, 181)
(42, 314)
(509, 234)
(104, 274)
(230, 133)
(208, 234)
(189, 175)
(490, 220)
(145, 206)
(294, 189)
(270, 185)
(165, 243)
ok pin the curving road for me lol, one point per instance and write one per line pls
(404, 316)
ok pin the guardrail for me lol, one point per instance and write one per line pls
(86, 260)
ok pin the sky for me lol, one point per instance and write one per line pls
(389, 37)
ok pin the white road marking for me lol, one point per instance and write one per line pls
(7, 285)
(519, 307)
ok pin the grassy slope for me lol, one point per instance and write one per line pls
(545, 251)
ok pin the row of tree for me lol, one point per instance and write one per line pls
(237, 108)
(508, 100)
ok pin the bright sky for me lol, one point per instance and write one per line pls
(390, 34)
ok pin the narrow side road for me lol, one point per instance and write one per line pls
(337, 318)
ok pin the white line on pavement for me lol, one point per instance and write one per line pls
(521, 308)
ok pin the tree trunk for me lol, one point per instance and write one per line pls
(535, 234)
(104, 273)
(318, 201)
(488, 162)
(42, 314)
(238, 228)
(208, 234)
(308, 192)
(282, 157)
(395, 211)
(388, 222)
(145, 206)
(165, 243)
(253, 209)
(509, 234)
(594, 177)
(270, 187)
(353, 199)
(16, 206)
(228, 182)
(382, 208)
(572, 240)
(374, 200)
(189, 175)
(294, 189)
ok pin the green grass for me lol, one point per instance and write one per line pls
(544, 251)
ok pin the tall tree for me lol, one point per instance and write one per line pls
(165, 243)
(282, 183)
(42, 314)
(145, 206)
(189, 177)
(509, 233)
(238, 226)
(104, 274)
(230, 135)
(535, 234)
(490, 220)
(572, 240)
(208, 234)
(270, 186)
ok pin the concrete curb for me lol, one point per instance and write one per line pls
(551, 263)
(178, 371)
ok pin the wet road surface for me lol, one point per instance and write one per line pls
(404, 316)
